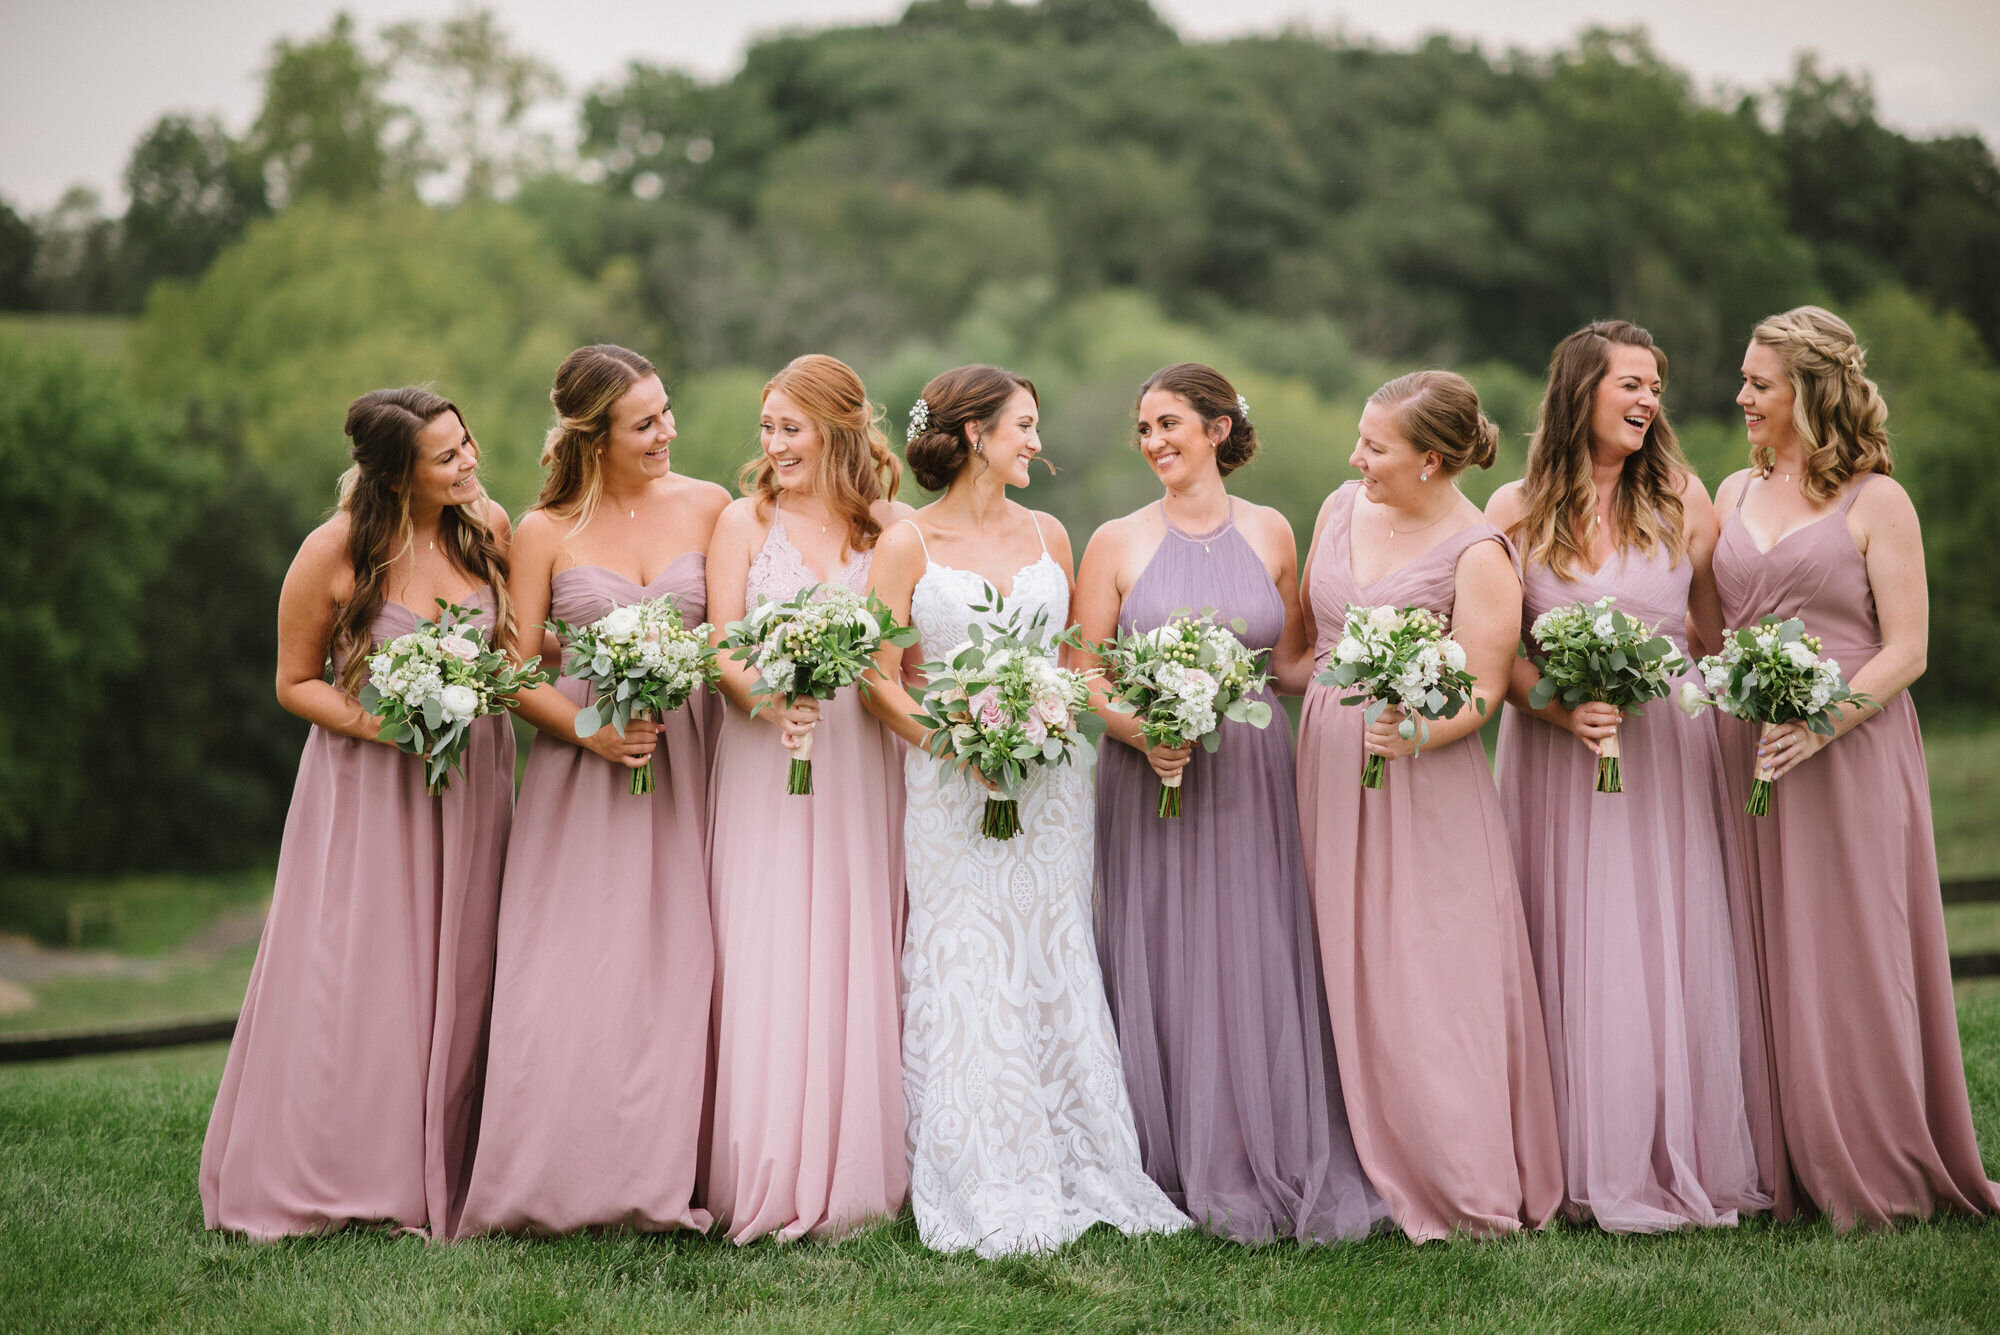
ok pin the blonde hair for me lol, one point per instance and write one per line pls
(588, 385)
(856, 468)
(1439, 411)
(1559, 500)
(1837, 412)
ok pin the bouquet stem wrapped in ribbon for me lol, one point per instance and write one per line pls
(1181, 680)
(640, 661)
(1594, 652)
(999, 704)
(1400, 656)
(429, 685)
(1772, 673)
(811, 645)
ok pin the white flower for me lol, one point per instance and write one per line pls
(620, 623)
(1602, 627)
(1715, 676)
(1690, 699)
(963, 734)
(457, 646)
(1800, 656)
(1384, 618)
(1350, 650)
(1454, 655)
(459, 702)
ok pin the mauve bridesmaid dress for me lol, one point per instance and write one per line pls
(807, 1127)
(1864, 1112)
(1429, 979)
(1629, 917)
(351, 1089)
(1205, 936)
(599, 1054)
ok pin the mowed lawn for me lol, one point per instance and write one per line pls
(101, 1229)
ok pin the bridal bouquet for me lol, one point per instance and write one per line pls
(998, 704)
(640, 661)
(1772, 673)
(1400, 656)
(430, 684)
(1181, 680)
(812, 644)
(1593, 651)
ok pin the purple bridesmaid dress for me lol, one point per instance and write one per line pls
(351, 1089)
(1864, 1111)
(1205, 936)
(598, 1060)
(1629, 917)
(1429, 980)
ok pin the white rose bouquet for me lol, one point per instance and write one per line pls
(812, 644)
(1400, 656)
(999, 704)
(1593, 651)
(430, 684)
(1181, 680)
(641, 661)
(1772, 673)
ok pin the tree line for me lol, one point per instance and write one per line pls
(1066, 187)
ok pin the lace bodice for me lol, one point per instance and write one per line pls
(941, 604)
(779, 571)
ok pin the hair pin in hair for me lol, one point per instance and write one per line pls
(920, 420)
(1243, 406)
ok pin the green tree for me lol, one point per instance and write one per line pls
(17, 261)
(474, 92)
(192, 191)
(326, 127)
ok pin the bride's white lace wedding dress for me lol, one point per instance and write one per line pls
(1020, 1131)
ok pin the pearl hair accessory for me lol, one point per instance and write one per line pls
(1243, 406)
(920, 420)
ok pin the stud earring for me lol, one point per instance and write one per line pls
(1424, 476)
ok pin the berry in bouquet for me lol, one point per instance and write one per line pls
(1181, 680)
(640, 661)
(1594, 652)
(429, 685)
(1401, 656)
(1772, 673)
(819, 640)
(998, 704)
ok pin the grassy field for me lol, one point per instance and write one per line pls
(102, 337)
(100, 1229)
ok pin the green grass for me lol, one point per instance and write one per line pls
(1964, 766)
(102, 337)
(101, 1229)
(154, 913)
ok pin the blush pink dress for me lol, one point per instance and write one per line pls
(600, 996)
(1864, 1113)
(1429, 979)
(807, 1127)
(1629, 917)
(352, 1085)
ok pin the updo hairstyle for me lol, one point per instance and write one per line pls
(1440, 415)
(588, 385)
(1211, 396)
(1838, 413)
(955, 400)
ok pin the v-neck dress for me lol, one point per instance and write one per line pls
(1864, 1113)
(1429, 980)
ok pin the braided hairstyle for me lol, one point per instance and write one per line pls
(1837, 412)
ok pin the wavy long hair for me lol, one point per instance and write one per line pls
(856, 466)
(382, 427)
(587, 387)
(1838, 414)
(1559, 498)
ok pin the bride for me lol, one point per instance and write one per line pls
(1020, 1132)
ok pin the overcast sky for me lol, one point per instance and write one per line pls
(81, 79)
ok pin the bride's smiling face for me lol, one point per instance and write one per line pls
(1010, 442)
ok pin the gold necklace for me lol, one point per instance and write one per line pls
(1433, 524)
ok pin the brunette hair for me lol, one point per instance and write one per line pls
(1837, 411)
(955, 400)
(1559, 500)
(856, 467)
(1439, 411)
(1211, 396)
(382, 426)
(588, 385)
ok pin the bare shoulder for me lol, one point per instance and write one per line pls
(497, 523)
(887, 512)
(899, 550)
(1488, 564)
(738, 518)
(1053, 534)
(1504, 508)
(1263, 521)
(537, 534)
(1731, 489)
(1883, 499)
(322, 562)
(1693, 492)
(708, 498)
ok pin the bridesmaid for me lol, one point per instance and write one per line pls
(1868, 1118)
(807, 1133)
(1627, 906)
(1205, 924)
(1429, 979)
(351, 1086)
(600, 999)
